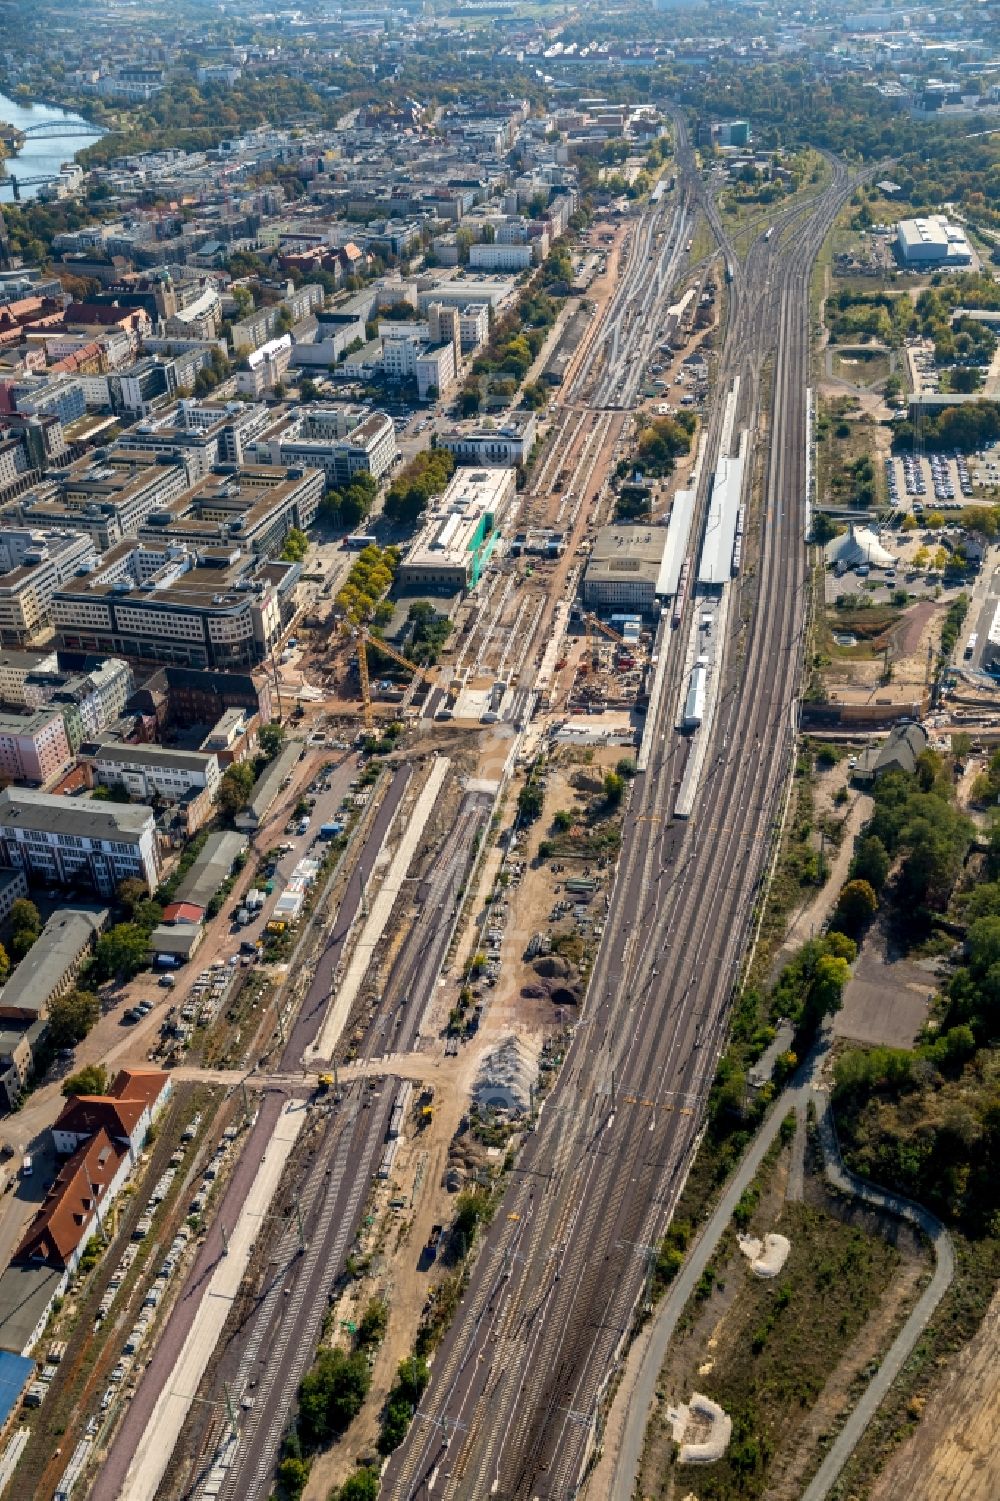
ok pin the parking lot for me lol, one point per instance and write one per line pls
(941, 482)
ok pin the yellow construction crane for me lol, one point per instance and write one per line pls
(363, 640)
(606, 629)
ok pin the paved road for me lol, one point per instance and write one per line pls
(804, 1088)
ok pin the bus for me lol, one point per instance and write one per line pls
(358, 541)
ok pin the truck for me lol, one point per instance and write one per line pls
(330, 830)
(970, 645)
(244, 918)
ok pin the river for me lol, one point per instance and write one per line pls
(40, 158)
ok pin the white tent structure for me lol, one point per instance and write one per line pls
(859, 544)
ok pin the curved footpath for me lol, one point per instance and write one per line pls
(805, 1086)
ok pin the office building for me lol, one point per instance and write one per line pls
(623, 568)
(459, 532)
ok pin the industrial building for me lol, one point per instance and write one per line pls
(932, 241)
(459, 533)
(624, 568)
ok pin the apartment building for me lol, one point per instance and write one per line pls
(34, 746)
(501, 257)
(265, 367)
(61, 841)
(150, 771)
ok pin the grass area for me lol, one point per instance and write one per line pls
(702, 240)
(956, 1320)
(774, 1344)
(848, 467)
(863, 367)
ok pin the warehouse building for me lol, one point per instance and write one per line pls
(932, 241)
(624, 568)
(460, 531)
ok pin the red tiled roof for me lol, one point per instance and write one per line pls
(86, 1114)
(143, 1084)
(68, 1212)
(183, 912)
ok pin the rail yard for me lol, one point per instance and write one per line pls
(514, 1404)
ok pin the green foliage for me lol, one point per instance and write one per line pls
(235, 788)
(351, 505)
(71, 1016)
(425, 476)
(25, 917)
(362, 1485)
(856, 904)
(915, 818)
(472, 1210)
(974, 425)
(331, 1394)
(90, 1080)
(368, 581)
(295, 547)
(614, 789)
(292, 1476)
(401, 1404)
(373, 1324)
(270, 739)
(662, 440)
(811, 985)
(530, 801)
(121, 952)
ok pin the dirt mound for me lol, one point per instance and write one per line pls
(552, 967)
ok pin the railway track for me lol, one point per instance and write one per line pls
(513, 1408)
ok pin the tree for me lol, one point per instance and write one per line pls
(373, 1324)
(270, 739)
(122, 951)
(292, 1476)
(332, 1393)
(295, 547)
(235, 788)
(90, 1080)
(131, 893)
(4, 965)
(614, 789)
(856, 904)
(71, 1017)
(25, 917)
(362, 1485)
(530, 801)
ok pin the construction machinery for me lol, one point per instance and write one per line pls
(363, 639)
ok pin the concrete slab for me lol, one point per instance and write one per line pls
(381, 910)
(174, 1402)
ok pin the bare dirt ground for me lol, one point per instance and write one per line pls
(953, 1454)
